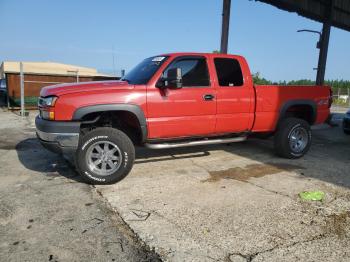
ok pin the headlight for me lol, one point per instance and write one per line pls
(47, 101)
(48, 115)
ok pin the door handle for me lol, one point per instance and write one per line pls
(208, 97)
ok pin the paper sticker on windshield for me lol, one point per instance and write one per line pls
(158, 58)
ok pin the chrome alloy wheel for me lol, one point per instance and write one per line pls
(103, 158)
(298, 139)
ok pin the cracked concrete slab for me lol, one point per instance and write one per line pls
(47, 213)
(226, 203)
(240, 202)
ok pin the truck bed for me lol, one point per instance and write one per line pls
(271, 99)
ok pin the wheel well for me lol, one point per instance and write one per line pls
(302, 111)
(123, 120)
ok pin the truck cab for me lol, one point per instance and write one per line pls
(212, 98)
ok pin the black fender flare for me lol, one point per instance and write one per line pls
(134, 109)
(299, 102)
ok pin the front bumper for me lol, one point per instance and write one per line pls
(346, 122)
(58, 136)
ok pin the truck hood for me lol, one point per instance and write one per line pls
(63, 89)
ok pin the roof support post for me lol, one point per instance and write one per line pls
(324, 42)
(226, 7)
(21, 74)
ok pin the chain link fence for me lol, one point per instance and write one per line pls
(341, 98)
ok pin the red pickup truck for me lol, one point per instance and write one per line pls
(174, 100)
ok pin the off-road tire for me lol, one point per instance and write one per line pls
(283, 136)
(99, 136)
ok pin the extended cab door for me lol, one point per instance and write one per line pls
(184, 112)
(235, 95)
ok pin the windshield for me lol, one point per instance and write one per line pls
(143, 72)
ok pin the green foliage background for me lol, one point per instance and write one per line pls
(335, 84)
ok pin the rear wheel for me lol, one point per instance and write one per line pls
(105, 156)
(293, 138)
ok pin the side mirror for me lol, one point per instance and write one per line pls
(173, 79)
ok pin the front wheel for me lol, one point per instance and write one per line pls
(105, 156)
(293, 138)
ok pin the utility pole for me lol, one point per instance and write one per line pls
(324, 41)
(76, 72)
(226, 7)
(318, 45)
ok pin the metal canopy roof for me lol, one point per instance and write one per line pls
(318, 10)
(46, 68)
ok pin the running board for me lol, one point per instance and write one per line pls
(196, 143)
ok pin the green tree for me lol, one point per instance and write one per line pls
(258, 80)
(336, 85)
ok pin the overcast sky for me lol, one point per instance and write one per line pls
(90, 33)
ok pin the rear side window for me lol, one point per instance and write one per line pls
(194, 71)
(229, 72)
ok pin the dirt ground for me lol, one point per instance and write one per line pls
(236, 202)
(46, 213)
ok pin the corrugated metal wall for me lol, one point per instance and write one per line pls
(32, 90)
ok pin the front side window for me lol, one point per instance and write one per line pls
(143, 72)
(229, 72)
(194, 71)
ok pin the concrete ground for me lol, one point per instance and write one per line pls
(240, 202)
(235, 202)
(47, 214)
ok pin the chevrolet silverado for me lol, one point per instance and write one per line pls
(174, 100)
